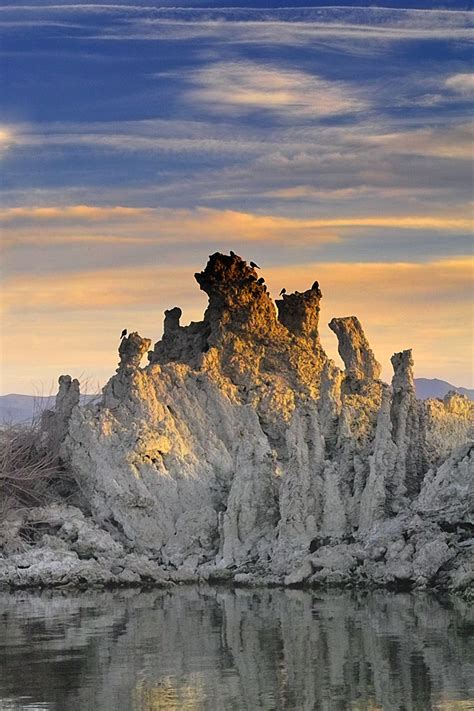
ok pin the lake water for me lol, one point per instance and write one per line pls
(212, 649)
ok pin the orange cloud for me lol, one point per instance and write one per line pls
(72, 212)
(245, 86)
(452, 142)
(76, 223)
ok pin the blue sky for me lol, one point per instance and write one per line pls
(323, 141)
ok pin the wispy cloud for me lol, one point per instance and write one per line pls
(461, 84)
(448, 142)
(345, 28)
(304, 192)
(71, 212)
(64, 225)
(128, 137)
(7, 138)
(245, 87)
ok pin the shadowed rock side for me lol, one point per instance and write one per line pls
(355, 352)
(55, 424)
(242, 451)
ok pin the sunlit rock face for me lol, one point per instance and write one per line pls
(242, 446)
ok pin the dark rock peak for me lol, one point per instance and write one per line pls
(299, 313)
(171, 323)
(238, 300)
(224, 272)
(131, 350)
(242, 324)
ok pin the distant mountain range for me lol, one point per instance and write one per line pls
(24, 408)
(432, 387)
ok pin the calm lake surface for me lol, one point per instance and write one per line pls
(218, 649)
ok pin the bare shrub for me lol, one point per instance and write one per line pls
(29, 474)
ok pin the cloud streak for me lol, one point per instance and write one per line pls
(244, 87)
(449, 142)
(461, 84)
(339, 26)
(76, 223)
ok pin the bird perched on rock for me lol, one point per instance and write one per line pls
(315, 285)
(283, 291)
(124, 333)
(255, 266)
(261, 281)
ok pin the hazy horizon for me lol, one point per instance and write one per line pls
(329, 143)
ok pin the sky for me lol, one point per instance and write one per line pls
(323, 142)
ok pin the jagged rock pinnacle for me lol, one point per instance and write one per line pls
(355, 350)
(248, 341)
(131, 350)
(299, 313)
(171, 323)
(55, 424)
(238, 300)
(403, 372)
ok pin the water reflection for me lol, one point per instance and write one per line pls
(218, 649)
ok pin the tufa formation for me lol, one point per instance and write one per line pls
(241, 451)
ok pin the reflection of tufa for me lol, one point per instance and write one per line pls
(124, 333)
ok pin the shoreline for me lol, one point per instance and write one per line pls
(72, 553)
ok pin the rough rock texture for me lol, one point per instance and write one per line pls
(242, 451)
(355, 351)
(55, 424)
(448, 423)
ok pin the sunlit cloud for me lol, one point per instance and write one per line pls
(297, 192)
(451, 142)
(244, 87)
(161, 225)
(7, 138)
(64, 225)
(71, 212)
(461, 84)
